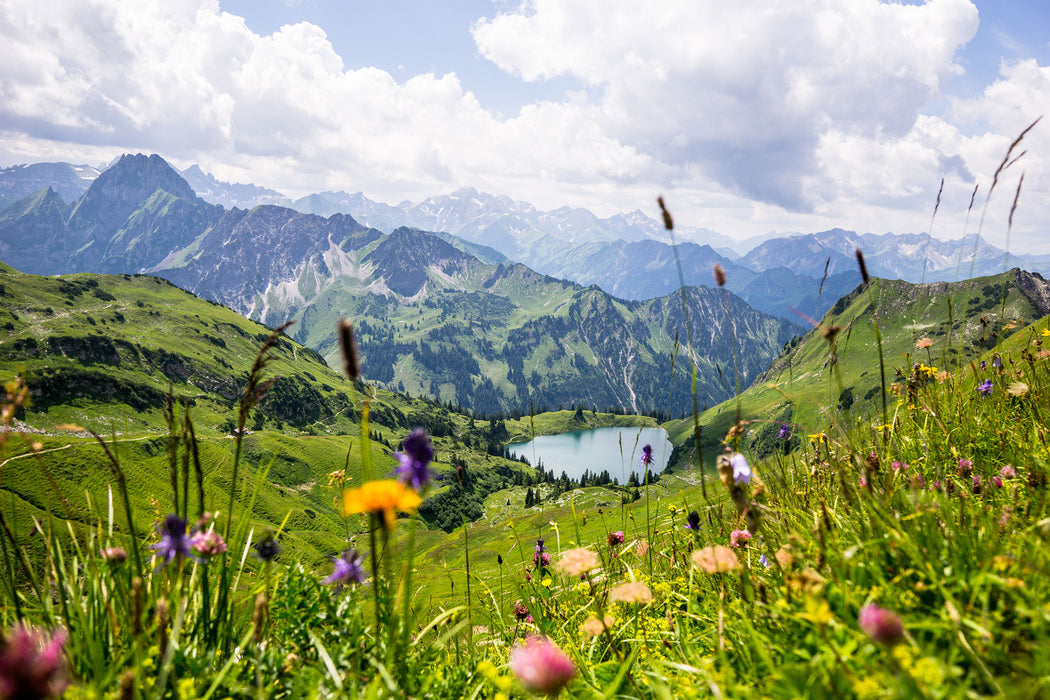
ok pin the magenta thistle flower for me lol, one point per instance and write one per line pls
(207, 544)
(985, 389)
(997, 482)
(616, 538)
(520, 611)
(739, 538)
(348, 568)
(541, 666)
(965, 466)
(883, 626)
(173, 540)
(415, 457)
(647, 455)
(32, 666)
(741, 469)
(1008, 472)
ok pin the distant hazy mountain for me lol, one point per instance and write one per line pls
(230, 195)
(68, 181)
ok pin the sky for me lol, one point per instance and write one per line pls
(747, 117)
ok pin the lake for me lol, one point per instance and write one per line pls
(596, 450)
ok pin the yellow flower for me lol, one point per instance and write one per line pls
(1046, 332)
(383, 498)
(818, 437)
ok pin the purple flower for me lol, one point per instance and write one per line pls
(541, 557)
(997, 482)
(983, 365)
(207, 544)
(539, 547)
(764, 561)
(784, 433)
(616, 538)
(173, 541)
(32, 666)
(985, 389)
(541, 666)
(415, 456)
(1008, 472)
(997, 362)
(347, 569)
(883, 626)
(520, 611)
(647, 455)
(693, 521)
(267, 548)
(741, 469)
(965, 466)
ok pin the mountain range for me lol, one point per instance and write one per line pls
(628, 255)
(431, 318)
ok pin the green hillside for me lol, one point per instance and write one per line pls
(829, 381)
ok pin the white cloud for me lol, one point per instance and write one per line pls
(747, 95)
(789, 115)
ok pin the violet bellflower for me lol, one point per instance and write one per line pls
(173, 540)
(693, 521)
(985, 389)
(741, 469)
(347, 568)
(415, 457)
(647, 455)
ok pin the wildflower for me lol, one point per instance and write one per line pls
(883, 626)
(499, 559)
(520, 611)
(693, 521)
(593, 626)
(32, 666)
(541, 666)
(983, 365)
(267, 548)
(715, 559)
(642, 548)
(542, 559)
(784, 433)
(615, 538)
(764, 561)
(739, 538)
(647, 455)
(818, 437)
(383, 498)
(985, 389)
(976, 488)
(1008, 472)
(918, 481)
(577, 561)
(997, 362)
(923, 343)
(207, 544)
(347, 569)
(965, 466)
(173, 541)
(1017, 389)
(784, 557)
(997, 481)
(897, 466)
(631, 592)
(415, 456)
(114, 555)
(1046, 332)
(741, 469)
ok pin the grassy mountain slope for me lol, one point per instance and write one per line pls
(819, 387)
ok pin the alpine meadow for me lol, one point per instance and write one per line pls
(300, 443)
